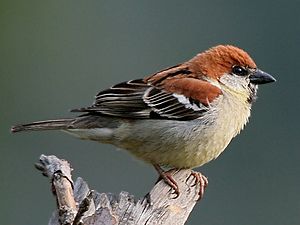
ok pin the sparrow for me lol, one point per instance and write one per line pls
(181, 117)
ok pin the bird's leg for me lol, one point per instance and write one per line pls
(167, 177)
(202, 180)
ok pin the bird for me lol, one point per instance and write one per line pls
(181, 117)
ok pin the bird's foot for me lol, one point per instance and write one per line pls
(168, 179)
(201, 180)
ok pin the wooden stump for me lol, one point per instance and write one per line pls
(78, 204)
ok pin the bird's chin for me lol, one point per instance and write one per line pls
(253, 93)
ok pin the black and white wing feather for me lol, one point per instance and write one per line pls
(139, 100)
(172, 106)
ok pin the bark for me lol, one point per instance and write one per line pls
(78, 204)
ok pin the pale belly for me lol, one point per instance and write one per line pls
(175, 143)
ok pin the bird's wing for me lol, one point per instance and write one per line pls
(142, 99)
(122, 100)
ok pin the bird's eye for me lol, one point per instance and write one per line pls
(240, 71)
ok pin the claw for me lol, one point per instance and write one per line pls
(168, 179)
(202, 180)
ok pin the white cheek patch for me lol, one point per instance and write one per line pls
(235, 82)
(188, 104)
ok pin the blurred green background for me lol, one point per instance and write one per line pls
(56, 55)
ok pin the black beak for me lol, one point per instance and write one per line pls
(261, 77)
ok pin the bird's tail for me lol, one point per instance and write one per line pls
(60, 124)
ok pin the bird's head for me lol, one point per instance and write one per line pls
(231, 69)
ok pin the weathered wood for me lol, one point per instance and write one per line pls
(88, 207)
(59, 172)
